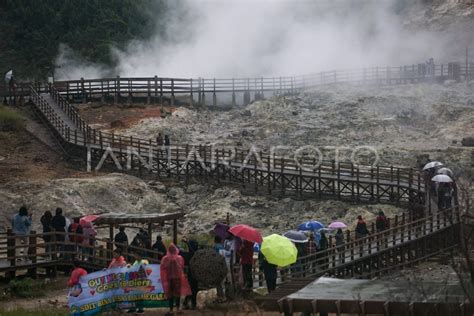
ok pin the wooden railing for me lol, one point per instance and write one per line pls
(377, 253)
(155, 88)
(357, 257)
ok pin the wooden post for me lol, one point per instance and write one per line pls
(319, 180)
(199, 92)
(155, 85)
(83, 90)
(150, 231)
(191, 93)
(371, 183)
(216, 167)
(300, 181)
(186, 180)
(11, 251)
(214, 97)
(54, 253)
(410, 183)
(111, 232)
(233, 92)
(129, 91)
(101, 255)
(100, 140)
(102, 94)
(282, 176)
(175, 231)
(203, 92)
(178, 165)
(255, 174)
(148, 93)
(32, 253)
(161, 91)
(333, 172)
(117, 90)
(172, 92)
(139, 158)
(67, 90)
(378, 185)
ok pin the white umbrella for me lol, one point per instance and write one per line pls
(441, 178)
(432, 164)
(445, 171)
(8, 76)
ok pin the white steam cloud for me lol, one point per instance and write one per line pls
(263, 38)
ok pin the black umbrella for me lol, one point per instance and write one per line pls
(296, 236)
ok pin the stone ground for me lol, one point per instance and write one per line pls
(55, 299)
(401, 122)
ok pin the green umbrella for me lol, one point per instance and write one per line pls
(279, 250)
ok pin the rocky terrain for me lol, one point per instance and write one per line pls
(203, 204)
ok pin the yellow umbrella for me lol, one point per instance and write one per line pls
(279, 250)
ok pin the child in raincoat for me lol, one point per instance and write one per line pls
(118, 261)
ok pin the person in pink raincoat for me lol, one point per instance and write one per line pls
(88, 234)
(175, 283)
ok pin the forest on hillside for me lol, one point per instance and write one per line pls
(32, 31)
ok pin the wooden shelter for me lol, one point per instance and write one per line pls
(363, 297)
(114, 219)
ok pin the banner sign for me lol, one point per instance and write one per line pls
(118, 288)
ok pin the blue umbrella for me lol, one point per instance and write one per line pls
(310, 225)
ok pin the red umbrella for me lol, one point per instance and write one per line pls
(246, 232)
(88, 218)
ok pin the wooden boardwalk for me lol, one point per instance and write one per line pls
(213, 91)
(259, 171)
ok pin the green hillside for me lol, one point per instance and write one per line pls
(32, 30)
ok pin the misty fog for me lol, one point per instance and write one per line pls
(264, 38)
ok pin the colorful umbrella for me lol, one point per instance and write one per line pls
(337, 225)
(310, 225)
(279, 250)
(88, 218)
(432, 164)
(441, 178)
(295, 236)
(221, 230)
(246, 232)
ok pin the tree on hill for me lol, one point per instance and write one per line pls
(31, 31)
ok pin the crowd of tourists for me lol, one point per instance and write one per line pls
(441, 184)
(71, 237)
